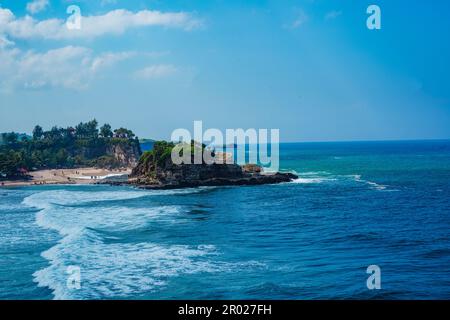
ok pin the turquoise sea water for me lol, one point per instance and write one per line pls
(354, 205)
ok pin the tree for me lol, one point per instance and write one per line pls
(67, 134)
(105, 131)
(91, 128)
(10, 138)
(80, 130)
(10, 162)
(55, 133)
(123, 133)
(63, 147)
(61, 157)
(87, 130)
(38, 132)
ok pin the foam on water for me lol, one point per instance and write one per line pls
(44, 200)
(312, 177)
(65, 197)
(118, 270)
(372, 184)
(112, 269)
(308, 180)
(111, 175)
(315, 177)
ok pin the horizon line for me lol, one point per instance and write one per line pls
(311, 141)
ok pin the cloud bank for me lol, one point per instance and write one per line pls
(74, 67)
(70, 67)
(115, 22)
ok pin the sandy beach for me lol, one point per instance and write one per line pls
(66, 176)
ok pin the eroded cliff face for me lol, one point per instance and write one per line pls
(126, 154)
(113, 154)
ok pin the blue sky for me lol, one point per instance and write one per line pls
(309, 68)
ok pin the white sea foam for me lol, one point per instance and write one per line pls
(112, 175)
(44, 200)
(308, 180)
(316, 173)
(118, 270)
(313, 177)
(113, 268)
(376, 185)
(372, 184)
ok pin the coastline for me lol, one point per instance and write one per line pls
(87, 175)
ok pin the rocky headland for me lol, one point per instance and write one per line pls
(155, 170)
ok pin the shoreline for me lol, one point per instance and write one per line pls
(90, 176)
(80, 176)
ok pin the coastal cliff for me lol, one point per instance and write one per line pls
(155, 170)
(126, 155)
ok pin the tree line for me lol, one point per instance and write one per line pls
(82, 145)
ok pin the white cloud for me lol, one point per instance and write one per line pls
(6, 16)
(115, 22)
(109, 59)
(36, 6)
(5, 42)
(69, 67)
(156, 71)
(332, 15)
(74, 67)
(300, 20)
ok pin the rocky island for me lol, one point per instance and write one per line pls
(155, 170)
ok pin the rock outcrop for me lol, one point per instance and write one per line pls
(127, 155)
(159, 172)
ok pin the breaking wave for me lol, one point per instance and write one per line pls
(108, 267)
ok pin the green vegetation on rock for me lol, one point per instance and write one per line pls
(162, 151)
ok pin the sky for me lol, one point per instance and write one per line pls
(310, 68)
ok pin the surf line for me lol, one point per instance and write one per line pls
(190, 310)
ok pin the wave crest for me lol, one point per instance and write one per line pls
(110, 269)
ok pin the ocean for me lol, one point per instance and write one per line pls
(354, 205)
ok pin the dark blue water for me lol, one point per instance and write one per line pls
(355, 205)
